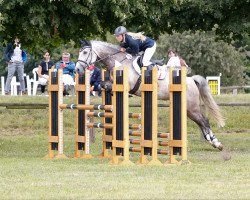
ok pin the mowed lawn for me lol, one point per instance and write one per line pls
(26, 174)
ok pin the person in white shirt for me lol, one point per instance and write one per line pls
(175, 60)
(15, 57)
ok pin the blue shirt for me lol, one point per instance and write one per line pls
(134, 46)
(9, 53)
(69, 69)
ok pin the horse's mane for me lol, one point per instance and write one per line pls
(109, 45)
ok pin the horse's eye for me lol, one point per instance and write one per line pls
(85, 52)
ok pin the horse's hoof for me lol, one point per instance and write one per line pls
(220, 147)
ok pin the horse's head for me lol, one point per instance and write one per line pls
(86, 56)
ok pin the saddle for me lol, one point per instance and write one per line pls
(153, 61)
(137, 64)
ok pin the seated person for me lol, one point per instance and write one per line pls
(95, 79)
(68, 71)
(43, 71)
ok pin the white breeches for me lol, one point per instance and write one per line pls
(148, 54)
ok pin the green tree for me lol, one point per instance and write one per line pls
(206, 55)
(49, 23)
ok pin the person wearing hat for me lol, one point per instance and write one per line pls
(95, 79)
(133, 43)
(15, 57)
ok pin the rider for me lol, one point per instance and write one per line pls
(133, 43)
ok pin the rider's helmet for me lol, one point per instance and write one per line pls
(120, 30)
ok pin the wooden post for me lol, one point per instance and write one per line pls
(177, 89)
(56, 139)
(149, 95)
(82, 120)
(120, 142)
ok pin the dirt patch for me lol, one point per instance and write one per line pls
(237, 131)
(16, 132)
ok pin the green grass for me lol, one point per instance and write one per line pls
(25, 174)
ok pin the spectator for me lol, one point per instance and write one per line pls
(68, 71)
(43, 71)
(175, 60)
(95, 79)
(15, 57)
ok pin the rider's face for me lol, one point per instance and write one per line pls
(119, 38)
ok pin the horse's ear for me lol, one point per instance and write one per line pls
(84, 43)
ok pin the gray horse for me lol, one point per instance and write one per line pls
(93, 51)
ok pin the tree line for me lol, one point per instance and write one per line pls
(50, 24)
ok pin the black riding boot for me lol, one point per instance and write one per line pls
(150, 67)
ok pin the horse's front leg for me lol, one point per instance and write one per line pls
(106, 85)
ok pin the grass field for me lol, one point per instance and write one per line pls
(25, 174)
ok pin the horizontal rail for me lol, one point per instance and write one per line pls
(135, 126)
(135, 115)
(86, 107)
(99, 125)
(135, 133)
(235, 87)
(45, 105)
(159, 151)
(100, 114)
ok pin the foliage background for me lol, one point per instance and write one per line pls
(58, 25)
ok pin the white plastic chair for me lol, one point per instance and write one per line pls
(2, 85)
(28, 81)
(35, 80)
(13, 86)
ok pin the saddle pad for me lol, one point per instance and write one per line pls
(162, 70)
(136, 66)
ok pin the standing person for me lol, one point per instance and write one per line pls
(175, 60)
(68, 71)
(95, 79)
(43, 71)
(133, 43)
(15, 57)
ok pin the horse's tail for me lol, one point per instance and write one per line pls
(208, 100)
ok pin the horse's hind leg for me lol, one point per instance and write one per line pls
(204, 125)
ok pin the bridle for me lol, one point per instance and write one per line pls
(89, 55)
(92, 51)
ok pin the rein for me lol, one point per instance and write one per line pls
(138, 82)
(98, 60)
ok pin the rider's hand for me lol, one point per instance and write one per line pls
(129, 56)
(122, 49)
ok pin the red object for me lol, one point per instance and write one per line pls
(63, 65)
(91, 67)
